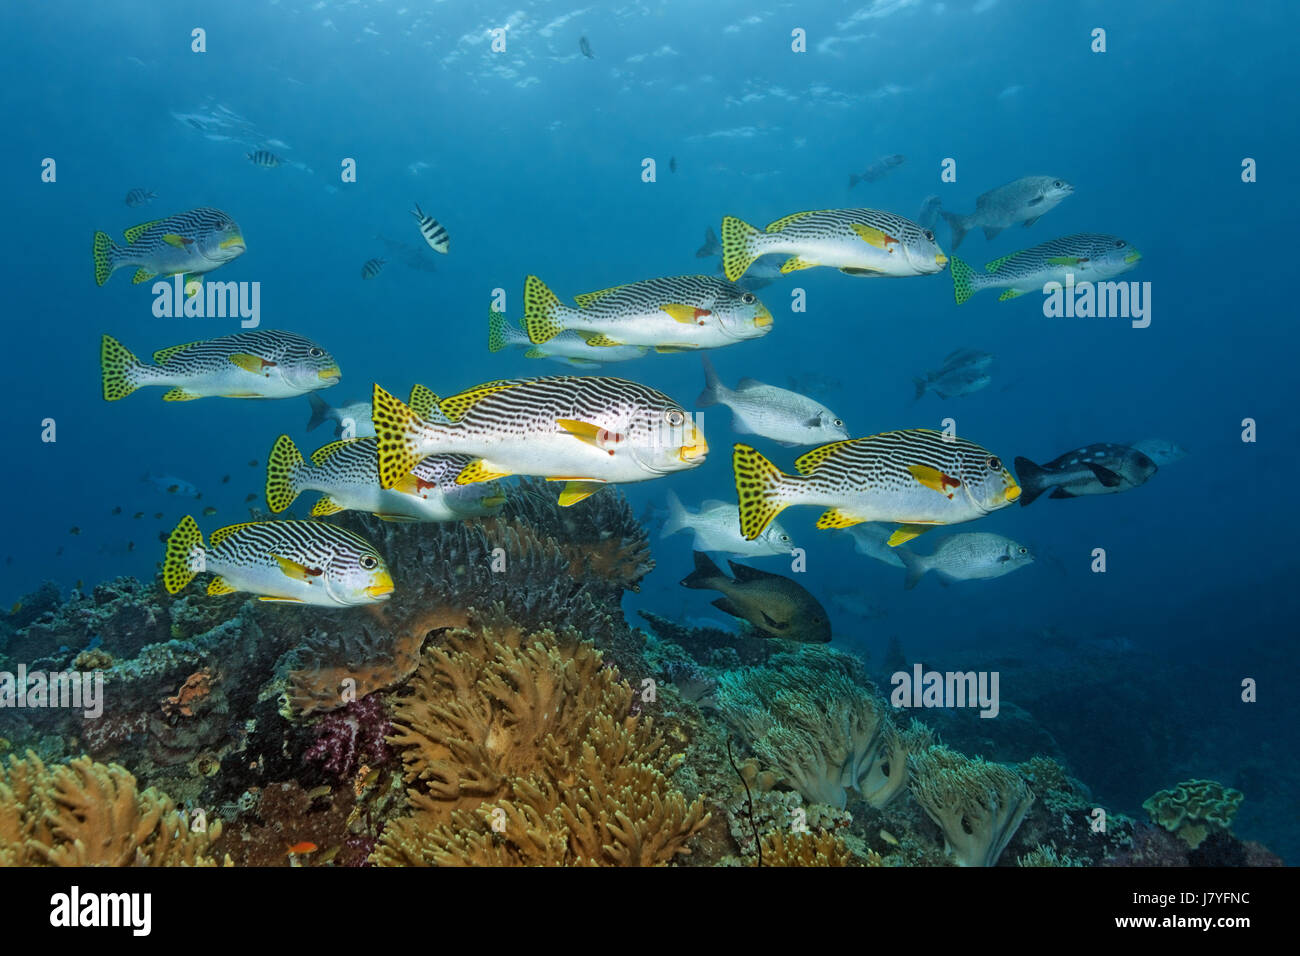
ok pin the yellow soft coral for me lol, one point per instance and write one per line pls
(978, 805)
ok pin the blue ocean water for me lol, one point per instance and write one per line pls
(532, 159)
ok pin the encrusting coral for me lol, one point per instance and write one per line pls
(978, 805)
(1194, 809)
(520, 748)
(91, 814)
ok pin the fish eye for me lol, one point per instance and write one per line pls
(315, 352)
(749, 298)
(785, 538)
(675, 417)
(1024, 550)
(994, 463)
(837, 423)
(369, 562)
(929, 235)
(1120, 243)
(1059, 184)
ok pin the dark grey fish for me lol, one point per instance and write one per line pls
(712, 245)
(585, 47)
(877, 170)
(1022, 201)
(140, 197)
(963, 372)
(929, 212)
(772, 603)
(1101, 469)
(372, 268)
(409, 254)
(672, 164)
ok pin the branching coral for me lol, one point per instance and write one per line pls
(1194, 809)
(822, 848)
(978, 805)
(811, 721)
(91, 814)
(520, 748)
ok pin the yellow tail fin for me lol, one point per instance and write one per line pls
(398, 430)
(541, 311)
(102, 251)
(737, 246)
(496, 331)
(183, 561)
(116, 364)
(758, 486)
(281, 469)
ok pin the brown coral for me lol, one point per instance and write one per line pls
(90, 814)
(197, 686)
(520, 749)
(822, 848)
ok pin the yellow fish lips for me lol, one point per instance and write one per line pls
(1133, 257)
(940, 260)
(234, 242)
(694, 448)
(332, 372)
(382, 587)
(762, 318)
(1013, 489)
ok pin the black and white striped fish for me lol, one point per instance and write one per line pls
(192, 243)
(583, 430)
(264, 158)
(302, 562)
(347, 473)
(140, 197)
(433, 231)
(915, 477)
(372, 268)
(262, 363)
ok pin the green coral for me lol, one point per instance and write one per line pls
(1194, 809)
(978, 805)
(1046, 855)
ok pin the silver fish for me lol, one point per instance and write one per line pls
(776, 413)
(872, 539)
(968, 556)
(877, 170)
(964, 372)
(1021, 201)
(353, 417)
(717, 528)
(1087, 256)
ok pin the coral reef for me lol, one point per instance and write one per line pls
(90, 814)
(1194, 809)
(350, 738)
(978, 805)
(520, 748)
(823, 848)
(1047, 856)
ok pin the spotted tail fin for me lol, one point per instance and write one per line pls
(737, 246)
(398, 430)
(105, 252)
(283, 466)
(542, 311)
(184, 555)
(118, 369)
(760, 486)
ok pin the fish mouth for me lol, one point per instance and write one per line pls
(941, 260)
(1012, 492)
(326, 374)
(381, 589)
(234, 244)
(697, 449)
(763, 318)
(1133, 257)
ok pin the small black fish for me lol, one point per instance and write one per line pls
(585, 47)
(252, 463)
(251, 497)
(130, 546)
(372, 268)
(172, 489)
(225, 480)
(74, 531)
(163, 536)
(138, 515)
(1101, 469)
(209, 511)
(117, 510)
(263, 157)
(158, 514)
(139, 197)
(672, 164)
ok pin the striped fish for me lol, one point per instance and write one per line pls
(140, 197)
(1089, 257)
(915, 477)
(302, 562)
(568, 346)
(262, 363)
(372, 268)
(670, 314)
(264, 158)
(191, 243)
(432, 230)
(347, 472)
(585, 431)
(858, 242)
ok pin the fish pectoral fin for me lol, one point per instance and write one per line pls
(250, 363)
(597, 339)
(219, 585)
(1065, 260)
(727, 606)
(179, 242)
(905, 533)
(794, 264)
(296, 569)
(179, 395)
(859, 271)
(935, 480)
(1106, 476)
(1010, 294)
(835, 518)
(142, 275)
(575, 491)
(774, 624)
(281, 600)
(1029, 222)
(686, 314)
(593, 435)
(873, 237)
(479, 470)
(326, 506)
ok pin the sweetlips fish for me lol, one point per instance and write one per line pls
(1101, 469)
(965, 557)
(262, 363)
(1021, 201)
(585, 431)
(670, 314)
(963, 372)
(301, 562)
(347, 473)
(772, 603)
(568, 346)
(189, 243)
(776, 413)
(858, 242)
(914, 477)
(717, 528)
(1089, 257)
(762, 272)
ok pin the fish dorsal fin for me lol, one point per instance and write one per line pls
(455, 406)
(221, 534)
(743, 572)
(999, 262)
(806, 464)
(162, 355)
(135, 232)
(779, 224)
(747, 383)
(423, 402)
(325, 452)
(587, 298)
